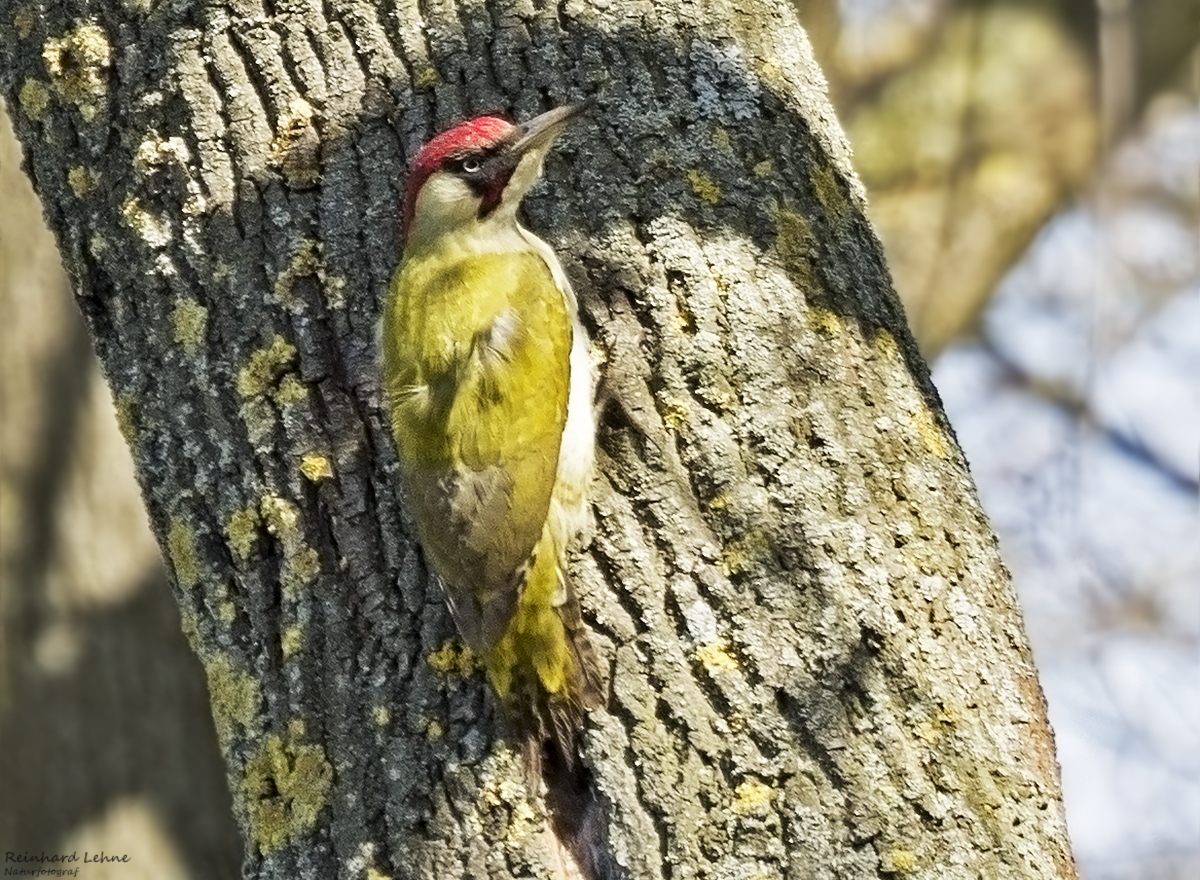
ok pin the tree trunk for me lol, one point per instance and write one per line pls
(817, 667)
(106, 739)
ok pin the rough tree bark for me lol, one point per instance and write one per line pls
(817, 667)
(106, 738)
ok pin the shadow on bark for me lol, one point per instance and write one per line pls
(129, 719)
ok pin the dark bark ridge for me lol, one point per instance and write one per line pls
(817, 667)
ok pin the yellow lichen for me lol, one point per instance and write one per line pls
(34, 98)
(927, 731)
(190, 321)
(674, 415)
(933, 729)
(307, 565)
(283, 517)
(131, 211)
(426, 78)
(824, 321)
(290, 390)
(381, 715)
(300, 568)
(315, 467)
(299, 113)
(181, 549)
(932, 436)
(507, 802)
(301, 563)
(126, 409)
(265, 366)
(292, 640)
(885, 345)
(770, 68)
(373, 874)
(296, 149)
(335, 291)
(153, 230)
(155, 152)
(189, 625)
(434, 730)
(721, 140)
(829, 193)
(746, 552)
(498, 791)
(242, 531)
(285, 785)
(763, 169)
(82, 180)
(714, 656)
(452, 657)
(305, 263)
(226, 611)
(752, 796)
(794, 242)
(234, 696)
(704, 187)
(900, 861)
(794, 236)
(523, 822)
(78, 63)
(24, 22)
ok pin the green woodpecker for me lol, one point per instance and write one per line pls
(489, 387)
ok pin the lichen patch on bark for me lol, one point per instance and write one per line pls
(285, 784)
(78, 63)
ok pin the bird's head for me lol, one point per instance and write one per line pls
(477, 171)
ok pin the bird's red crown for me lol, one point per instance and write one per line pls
(478, 133)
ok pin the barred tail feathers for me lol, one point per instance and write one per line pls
(544, 669)
(546, 674)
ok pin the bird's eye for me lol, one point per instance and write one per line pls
(471, 165)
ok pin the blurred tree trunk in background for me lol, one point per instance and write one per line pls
(106, 739)
(971, 124)
(974, 121)
(817, 665)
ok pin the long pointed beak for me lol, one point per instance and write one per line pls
(539, 133)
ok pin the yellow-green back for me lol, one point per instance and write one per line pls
(477, 371)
